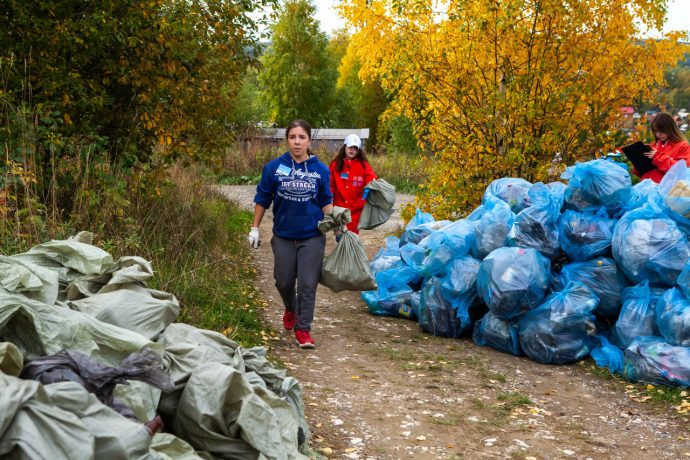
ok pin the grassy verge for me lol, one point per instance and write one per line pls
(195, 240)
(243, 167)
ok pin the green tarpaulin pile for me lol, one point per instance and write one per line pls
(227, 402)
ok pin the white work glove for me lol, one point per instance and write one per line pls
(253, 237)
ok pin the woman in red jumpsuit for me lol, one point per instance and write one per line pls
(350, 173)
(669, 147)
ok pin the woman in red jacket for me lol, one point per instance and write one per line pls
(669, 147)
(350, 173)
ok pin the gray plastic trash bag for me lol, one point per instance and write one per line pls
(97, 378)
(347, 267)
(379, 204)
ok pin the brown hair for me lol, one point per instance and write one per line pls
(299, 123)
(340, 157)
(664, 123)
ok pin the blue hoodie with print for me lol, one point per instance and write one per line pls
(298, 191)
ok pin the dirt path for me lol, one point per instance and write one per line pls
(379, 388)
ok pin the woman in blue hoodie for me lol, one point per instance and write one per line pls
(298, 185)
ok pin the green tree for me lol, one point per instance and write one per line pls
(299, 73)
(135, 80)
(679, 87)
(359, 104)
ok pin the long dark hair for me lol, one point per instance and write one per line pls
(340, 157)
(301, 124)
(664, 123)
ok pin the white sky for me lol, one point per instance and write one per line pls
(678, 17)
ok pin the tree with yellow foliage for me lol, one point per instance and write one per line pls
(498, 87)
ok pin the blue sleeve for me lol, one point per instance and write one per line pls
(325, 195)
(264, 191)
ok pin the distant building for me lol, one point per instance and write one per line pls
(328, 139)
(627, 121)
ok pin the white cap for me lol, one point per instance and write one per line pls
(353, 140)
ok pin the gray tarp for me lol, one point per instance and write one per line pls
(64, 421)
(265, 394)
(379, 204)
(69, 295)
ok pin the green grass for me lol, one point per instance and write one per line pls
(244, 179)
(210, 271)
(662, 397)
(510, 400)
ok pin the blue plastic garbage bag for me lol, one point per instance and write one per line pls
(397, 308)
(385, 263)
(585, 236)
(536, 227)
(392, 248)
(491, 230)
(509, 189)
(395, 283)
(602, 276)
(460, 277)
(419, 232)
(676, 180)
(459, 287)
(452, 241)
(640, 193)
(415, 303)
(683, 279)
(512, 281)
(387, 257)
(562, 329)
(673, 317)
(492, 331)
(413, 255)
(419, 218)
(557, 190)
(648, 245)
(637, 317)
(653, 360)
(597, 183)
(608, 355)
(436, 314)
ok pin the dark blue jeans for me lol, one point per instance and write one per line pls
(297, 270)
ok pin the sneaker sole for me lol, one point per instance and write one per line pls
(304, 346)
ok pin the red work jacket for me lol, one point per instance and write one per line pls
(347, 187)
(666, 156)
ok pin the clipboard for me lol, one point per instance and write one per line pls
(635, 153)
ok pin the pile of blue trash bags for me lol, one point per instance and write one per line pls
(555, 272)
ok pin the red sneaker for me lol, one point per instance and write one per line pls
(304, 339)
(289, 320)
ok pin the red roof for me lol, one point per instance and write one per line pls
(627, 110)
